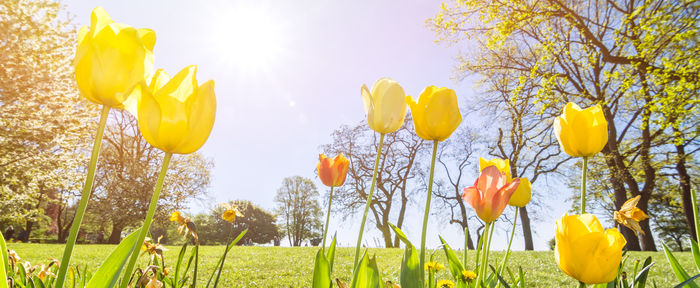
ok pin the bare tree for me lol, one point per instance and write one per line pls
(397, 170)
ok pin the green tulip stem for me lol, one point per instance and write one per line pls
(328, 216)
(584, 173)
(85, 196)
(694, 201)
(427, 205)
(581, 284)
(510, 242)
(149, 218)
(369, 201)
(466, 247)
(484, 258)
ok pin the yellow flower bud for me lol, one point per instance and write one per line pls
(522, 195)
(111, 58)
(385, 105)
(175, 115)
(503, 165)
(585, 251)
(581, 133)
(436, 114)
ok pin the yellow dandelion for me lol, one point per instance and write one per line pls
(468, 275)
(445, 284)
(434, 266)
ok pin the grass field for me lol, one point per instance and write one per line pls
(292, 267)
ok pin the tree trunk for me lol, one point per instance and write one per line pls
(684, 180)
(28, 231)
(527, 232)
(116, 236)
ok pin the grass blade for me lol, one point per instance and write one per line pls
(678, 270)
(696, 252)
(641, 279)
(452, 261)
(687, 282)
(5, 267)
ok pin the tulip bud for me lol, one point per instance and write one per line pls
(581, 133)
(436, 114)
(111, 58)
(385, 105)
(332, 171)
(585, 251)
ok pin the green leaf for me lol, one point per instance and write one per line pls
(180, 256)
(331, 252)
(322, 271)
(500, 279)
(223, 259)
(411, 273)
(687, 282)
(681, 275)
(452, 261)
(641, 279)
(366, 275)
(108, 272)
(5, 267)
(696, 252)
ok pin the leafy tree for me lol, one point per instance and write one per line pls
(127, 173)
(299, 210)
(635, 58)
(261, 225)
(397, 171)
(43, 121)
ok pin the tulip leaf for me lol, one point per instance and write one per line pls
(678, 270)
(500, 279)
(687, 282)
(322, 272)
(5, 267)
(331, 252)
(452, 260)
(366, 274)
(696, 253)
(411, 272)
(180, 257)
(641, 279)
(108, 272)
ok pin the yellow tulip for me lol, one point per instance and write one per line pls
(581, 133)
(385, 105)
(585, 251)
(503, 165)
(522, 195)
(175, 115)
(436, 114)
(111, 58)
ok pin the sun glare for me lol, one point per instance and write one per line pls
(248, 37)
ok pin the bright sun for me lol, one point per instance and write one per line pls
(248, 37)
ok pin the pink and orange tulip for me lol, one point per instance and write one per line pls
(490, 193)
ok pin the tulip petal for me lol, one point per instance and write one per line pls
(393, 103)
(149, 115)
(201, 115)
(442, 113)
(148, 37)
(366, 99)
(99, 19)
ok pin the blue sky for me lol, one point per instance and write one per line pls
(287, 74)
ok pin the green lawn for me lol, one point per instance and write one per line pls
(292, 267)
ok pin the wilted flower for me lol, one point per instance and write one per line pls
(13, 257)
(231, 212)
(468, 276)
(154, 283)
(185, 225)
(445, 284)
(385, 105)
(44, 272)
(585, 251)
(434, 266)
(630, 216)
(153, 249)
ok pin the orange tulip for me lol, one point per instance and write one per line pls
(332, 171)
(490, 193)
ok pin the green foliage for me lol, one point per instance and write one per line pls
(107, 274)
(323, 267)
(678, 269)
(367, 274)
(4, 262)
(260, 224)
(454, 264)
(412, 274)
(299, 210)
